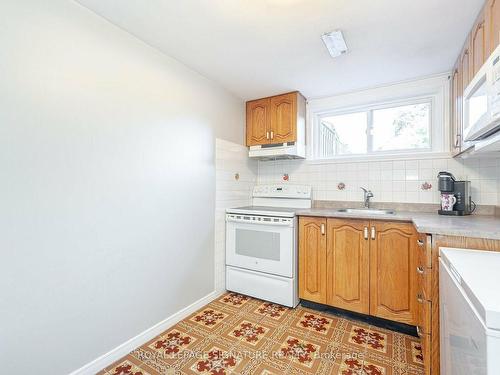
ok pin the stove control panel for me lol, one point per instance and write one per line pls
(282, 191)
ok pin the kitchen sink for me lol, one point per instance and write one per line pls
(369, 211)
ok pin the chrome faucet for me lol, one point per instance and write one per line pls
(367, 195)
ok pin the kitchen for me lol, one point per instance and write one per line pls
(266, 187)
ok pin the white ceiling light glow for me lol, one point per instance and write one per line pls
(335, 43)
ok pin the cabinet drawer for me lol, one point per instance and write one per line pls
(425, 342)
(424, 282)
(423, 316)
(424, 251)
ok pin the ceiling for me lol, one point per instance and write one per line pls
(257, 48)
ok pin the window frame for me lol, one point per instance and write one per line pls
(369, 109)
(434, 89)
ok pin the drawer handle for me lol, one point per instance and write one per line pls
(420, 298)
(420, 243)
(419, 331)
(420, 270)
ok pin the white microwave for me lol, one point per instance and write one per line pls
(481, 101)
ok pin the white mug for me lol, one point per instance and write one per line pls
(448, 201)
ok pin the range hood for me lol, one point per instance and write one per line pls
(490, 145)
(486, 148)
(293, 150)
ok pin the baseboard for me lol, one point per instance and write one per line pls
(125, 348)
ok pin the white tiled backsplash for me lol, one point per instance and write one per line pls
(231, 191)
(390, 181)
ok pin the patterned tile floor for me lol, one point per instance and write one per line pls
(240, 335)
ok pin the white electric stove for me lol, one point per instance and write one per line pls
(261, 244)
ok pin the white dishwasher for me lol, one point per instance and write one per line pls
(469, 283)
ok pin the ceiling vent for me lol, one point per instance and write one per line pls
(335, 43)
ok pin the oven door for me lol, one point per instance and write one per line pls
(261, 243)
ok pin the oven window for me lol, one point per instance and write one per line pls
(258, 244)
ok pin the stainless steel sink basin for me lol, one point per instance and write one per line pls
(368, 211)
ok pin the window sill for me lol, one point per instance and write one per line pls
(385, 157)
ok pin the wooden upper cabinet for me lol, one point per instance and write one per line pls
(348, 265)
(258, 115)
(481, 42)
(284, 118)
(278, 119)
(456, 110)
(478, 49)
(465, 67)
(393, 279)
(492, 25)
(312, 259)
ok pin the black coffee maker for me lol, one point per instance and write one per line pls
(460, 190)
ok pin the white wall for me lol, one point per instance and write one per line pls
(391, 181)
(231, 160)
(107, 193)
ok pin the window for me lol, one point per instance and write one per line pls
(382, 129)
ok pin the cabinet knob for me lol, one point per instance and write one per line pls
(366, 233)
(420, 298)
(267, 135)
(420, 243)
(322, 229)
(272, 134)
(373, 233)
(419, 331)
(420, 270)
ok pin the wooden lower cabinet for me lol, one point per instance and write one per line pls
(425, 343)
(348, 265)
(312, 259)
(363, 266)
(424, 298)
(393, 263)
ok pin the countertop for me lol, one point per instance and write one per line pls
(476, 226)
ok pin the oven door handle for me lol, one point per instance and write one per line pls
(287, 223)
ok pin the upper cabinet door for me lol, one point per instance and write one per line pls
(465, 67)
(393, 259)
(456, 110)
(284, 118)
(258, 122)
(348, 265)
(312, 259)
(478, 50)
(492, 24)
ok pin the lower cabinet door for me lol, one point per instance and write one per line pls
(312, 259)
(348, 265)
(423, 315)
(393, 258)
